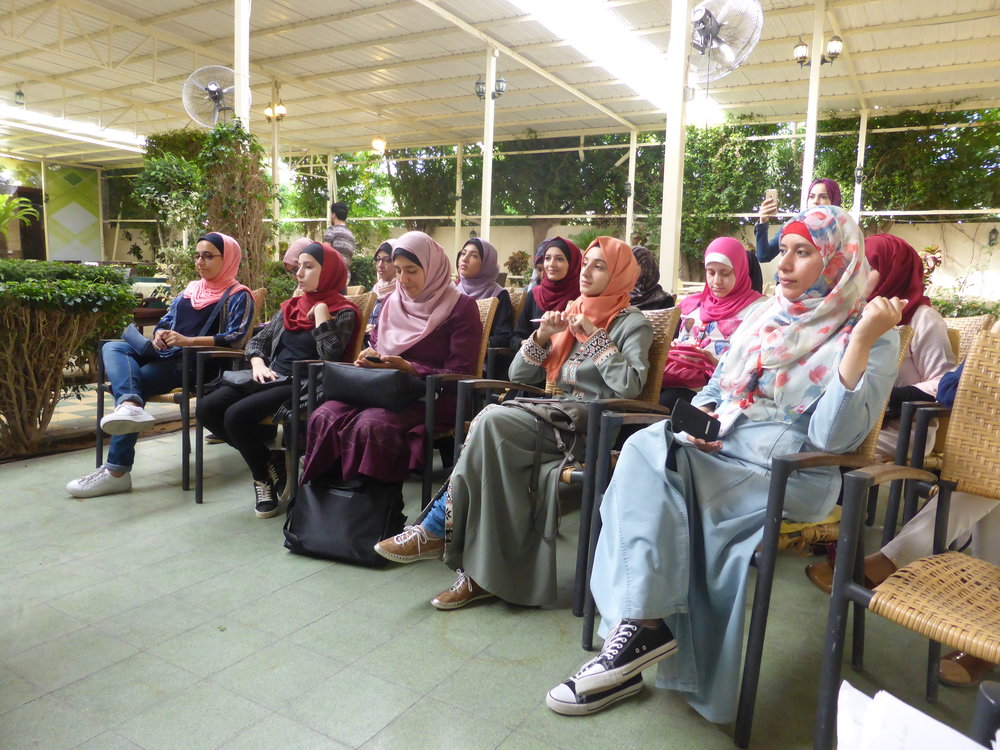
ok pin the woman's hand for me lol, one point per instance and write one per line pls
(319, 312)
(552, 323)
(768, 210)
(158, 342)
(703, 445)
(878, 316)
(172, 338)
(388, 362)
(261, 372)
(580, 326)
(297, 292)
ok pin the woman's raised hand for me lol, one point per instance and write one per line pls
(879, 315)
(552, 323)
(768, 210)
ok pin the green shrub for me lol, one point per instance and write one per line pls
(50, 314)
(363, 270)
(954, 306)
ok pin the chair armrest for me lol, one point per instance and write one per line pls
(633, 406)
(881, 473)
(812, 460)
(472, 383)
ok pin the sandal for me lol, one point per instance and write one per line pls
(959, 669)
(821, 576)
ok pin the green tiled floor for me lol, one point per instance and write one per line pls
(143, 620)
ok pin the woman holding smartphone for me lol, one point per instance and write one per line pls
(822, 192)
(809, 370)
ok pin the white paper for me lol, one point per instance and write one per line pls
(887, 723)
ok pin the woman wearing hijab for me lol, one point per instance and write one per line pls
(319, 323)
(538, 268)
(822, 192)
(291, 258)
(809, 370)
(478, 268)
(708, 319)
(215, 310)
(426, 327)
(559, 285)
(499, 541)
(648, 294)
(385, 282)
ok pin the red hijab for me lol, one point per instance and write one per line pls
(332, 278)
(900, 271)
(603, 308)
(731, 252)
(555, 295)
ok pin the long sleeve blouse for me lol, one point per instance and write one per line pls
(332, 337)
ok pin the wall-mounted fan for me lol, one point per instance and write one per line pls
(208, 95)
(725, 33)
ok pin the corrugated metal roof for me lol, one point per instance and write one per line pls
(353, 69)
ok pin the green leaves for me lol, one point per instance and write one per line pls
(68, 295)
(21, 270)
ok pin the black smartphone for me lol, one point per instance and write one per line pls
(693, 421)
(377, 360)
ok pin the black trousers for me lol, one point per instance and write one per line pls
(235, 416)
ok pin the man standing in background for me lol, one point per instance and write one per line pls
(338, 235)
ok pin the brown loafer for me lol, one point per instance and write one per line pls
(463, 591)
(959, 669)
(821, 575)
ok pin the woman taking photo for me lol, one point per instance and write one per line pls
(478, 268)
(708, 319)
(558, 286)
(215, 310)
(497, 534)
(426, 327)
(809, 370)
(316, 324)
(822, 192)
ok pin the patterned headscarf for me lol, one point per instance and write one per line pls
(601, 309)
(785, 353)
(484, 284)
(648, 294)
(202, 292)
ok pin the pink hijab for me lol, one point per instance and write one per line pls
(729, 251)
(404, 320)
(203, 293)
(295, 249)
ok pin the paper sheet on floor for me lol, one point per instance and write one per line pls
(886, 723)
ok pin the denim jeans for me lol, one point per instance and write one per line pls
(132, 379)
(433, 522)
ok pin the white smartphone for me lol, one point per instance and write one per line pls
(771, 195)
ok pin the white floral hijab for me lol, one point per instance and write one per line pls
(784, 354)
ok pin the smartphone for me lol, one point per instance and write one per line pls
(693, 421)
(771, 195)
(376, 360)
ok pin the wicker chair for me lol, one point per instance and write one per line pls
(499, 357)
(967, 328)
(949, 597)
(354, 290)
(180, 396)
(365, 303)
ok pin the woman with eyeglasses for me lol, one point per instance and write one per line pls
(385, 283)
(214, 310)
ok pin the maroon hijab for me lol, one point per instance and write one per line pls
(900, 271)
(332, 277)
(555, 295)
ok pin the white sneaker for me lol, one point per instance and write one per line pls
(100, 482)
(127, 418)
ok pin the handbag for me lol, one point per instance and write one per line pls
(367, 387)
(144, 347)
(687, 366)
(243, 380)
(343, 520)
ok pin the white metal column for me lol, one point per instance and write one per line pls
(860, 165)
(630, 202)
(459, 159)
(241, 60)
(489, 108)
(812, 109)
(331, 180)
(673, 148)
(275, 162)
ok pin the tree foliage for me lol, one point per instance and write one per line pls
(422, 185)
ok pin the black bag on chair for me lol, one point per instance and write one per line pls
(367, 387)
(339, 520)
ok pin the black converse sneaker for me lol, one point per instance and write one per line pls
(563, 698)
(276, 473)
(628, 649)
(266, 504)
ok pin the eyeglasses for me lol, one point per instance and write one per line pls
(383, 259)
(206, 257)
